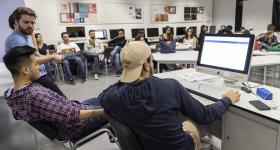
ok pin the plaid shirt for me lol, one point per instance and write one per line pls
(37, 103)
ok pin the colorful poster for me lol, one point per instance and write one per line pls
(84, 13)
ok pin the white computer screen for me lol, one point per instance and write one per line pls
(100, 34)
(225, 52)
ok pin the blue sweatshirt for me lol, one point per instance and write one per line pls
(151, 109)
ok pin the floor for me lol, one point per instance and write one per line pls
(17, 135)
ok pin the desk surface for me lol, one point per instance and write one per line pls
(264, 53)
(216, 88)
(179, 56)
(265, 60)
(179, 46)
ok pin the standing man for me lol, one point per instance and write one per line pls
(118, 43)
(93, 47)
(22, 21)
(68, 49)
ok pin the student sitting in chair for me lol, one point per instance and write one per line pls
(268, 38)
(69, 49)
(151, 106)
(93, 47)
(189, 38)
(118, 43)
(32, 102)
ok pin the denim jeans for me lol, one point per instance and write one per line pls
(93, 59)
(115, 59)
(77, 61)
(93, 123)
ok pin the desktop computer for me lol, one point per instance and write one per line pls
(180, 31)
(228, 56)
(101, 34)
(152, 32)
(114, 33)
(76, 31)
(134, 32)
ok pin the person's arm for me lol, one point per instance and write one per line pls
(100, 48)
(260, 36)
(86, 114)
(201, 114)
(42, 59)
(77, 49)
(86, 46)
(194, 44)
(34, 41)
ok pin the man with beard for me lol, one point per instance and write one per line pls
(150, 106)
(22, 21)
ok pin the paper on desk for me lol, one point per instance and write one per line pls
(196, 76)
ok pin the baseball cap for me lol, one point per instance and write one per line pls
(133, 56)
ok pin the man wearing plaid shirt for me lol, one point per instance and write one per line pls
(32, 102)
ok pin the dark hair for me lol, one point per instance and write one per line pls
(16, 57)
(91, 31)
(121, 30)
(63, 34)
(229, 27)
(16, 15)
(186, 33)
(270, 27)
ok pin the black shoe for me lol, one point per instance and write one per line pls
(71, 82)
(83, 80)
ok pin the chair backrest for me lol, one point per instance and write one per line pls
(126, 137)
(45, 129)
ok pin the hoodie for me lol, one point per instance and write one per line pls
(151, 107)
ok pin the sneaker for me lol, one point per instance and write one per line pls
(83, 80)
(95, 76)
(71, 82)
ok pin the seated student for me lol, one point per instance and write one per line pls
(243, 30)
(268, 37)
(150, 106)
(69, 49)
(32, 102)
(43, 50)
(225, 31)
(118, 43)
(167, 35)
(222, 28)
(203, 31)
(189, 38)
(93, 47)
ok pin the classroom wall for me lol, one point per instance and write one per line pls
(6, 9)
(256, 13)
(50, 29)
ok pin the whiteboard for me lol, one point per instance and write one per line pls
(120, 13)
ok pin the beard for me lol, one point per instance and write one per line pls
(27, 31)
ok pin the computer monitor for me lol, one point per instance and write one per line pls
(180, 30)
(77, 31)
(212, 30)
(164, 29)
(228, 56)
(152, 32)
(134, 32)
(114, 33)
(101, 34)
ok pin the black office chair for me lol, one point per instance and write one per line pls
(50, 132)
(126, 137)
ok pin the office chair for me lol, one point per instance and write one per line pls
(126, 138)
(50, 132)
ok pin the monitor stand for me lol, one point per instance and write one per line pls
(232, 83)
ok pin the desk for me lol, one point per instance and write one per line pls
(180, 57)
(264, 53)
(244, 127)
(179, 47)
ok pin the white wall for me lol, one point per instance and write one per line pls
(224, 12)
(50, 29)
(257, 14)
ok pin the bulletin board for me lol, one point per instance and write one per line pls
(177, 13)
(121, 13)
(76, 12)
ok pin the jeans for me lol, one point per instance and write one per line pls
(93, 57)
(77, 61)
(46, 82)
(48, 67)
(115, 58)
(94, 123)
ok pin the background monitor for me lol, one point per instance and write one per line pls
(77, 31)
(152, 32)
(114, 33)
(228, 56)
(180, 30)
(194, 29)
(101, 34)
(164, 28)
(212, 30)
(134, 32)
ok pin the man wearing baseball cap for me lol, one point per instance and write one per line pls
(150, 106)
